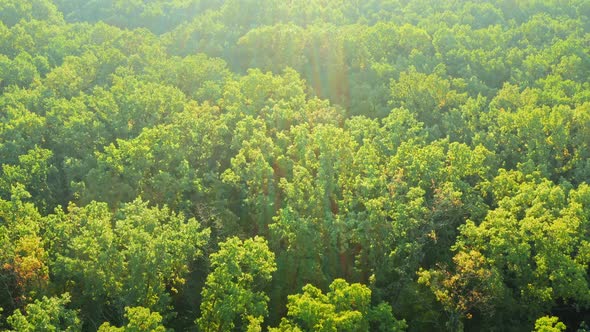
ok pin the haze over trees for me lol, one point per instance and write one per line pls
(249, 165)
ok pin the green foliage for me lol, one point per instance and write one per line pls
(233, 296)
(525, 254)
(48, 314)
(139, 256)
(346, 307)
(549, 324)
(33, 172)
(14, 11)
(23, 258)
(140, 320)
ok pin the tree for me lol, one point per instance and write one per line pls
(429, 97)
(139, 256)
(47, 314)
(140, 320)
(233, 296)
(24, 271)
(549, 324)
(34, 171)
(346, 307)
(526, 256)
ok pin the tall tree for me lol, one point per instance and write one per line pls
(234, 294)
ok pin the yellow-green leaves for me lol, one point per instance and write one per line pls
(234, 293)
(138, 256)
(528, 253)
(140, 320)
(549, 324)
(47, 314)
(346, 307)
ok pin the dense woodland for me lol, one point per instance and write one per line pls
(323, 165)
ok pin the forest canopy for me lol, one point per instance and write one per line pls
(324, 165)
